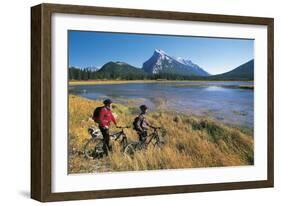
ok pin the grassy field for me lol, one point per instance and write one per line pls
(191, 142)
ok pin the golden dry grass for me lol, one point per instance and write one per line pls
(190, 141)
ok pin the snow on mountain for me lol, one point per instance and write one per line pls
(181, 60)
(157, 61)
(121, 63)
(161, 62)
(188, 63)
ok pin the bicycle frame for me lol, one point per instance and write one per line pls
(122, 134)
(152, 136)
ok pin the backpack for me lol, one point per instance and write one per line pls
(136, 123)
(96, 114)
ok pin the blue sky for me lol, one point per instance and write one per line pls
(215, 55)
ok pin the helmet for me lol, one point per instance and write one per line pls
(143, 107)
(107, 101)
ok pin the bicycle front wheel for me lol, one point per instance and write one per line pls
(159, 143)
(130, 149)
(93, 148)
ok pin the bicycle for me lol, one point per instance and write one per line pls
(94, 146)
(154, 138)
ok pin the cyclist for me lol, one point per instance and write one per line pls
(141, 124)
(105, 118)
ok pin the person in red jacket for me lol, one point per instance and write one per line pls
(105, 118)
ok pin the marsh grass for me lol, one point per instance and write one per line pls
(190, 142)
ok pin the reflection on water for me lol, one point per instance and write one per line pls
(214, 88)
(228, 104)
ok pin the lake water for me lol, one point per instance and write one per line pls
(223, 101)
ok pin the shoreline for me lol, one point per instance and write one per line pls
(245, 128)
(100, 82)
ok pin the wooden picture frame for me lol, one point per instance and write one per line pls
(41, 96)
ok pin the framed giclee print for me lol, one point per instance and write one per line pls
(132, 102)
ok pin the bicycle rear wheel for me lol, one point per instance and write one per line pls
(93, 148)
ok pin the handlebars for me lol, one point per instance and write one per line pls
(156, 127)
(124, 127)
(128, 126)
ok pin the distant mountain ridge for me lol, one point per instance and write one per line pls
(242, 72)
(161, 66)
(161, 62)
(119, 70)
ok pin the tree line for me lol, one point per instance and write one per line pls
(87, 74)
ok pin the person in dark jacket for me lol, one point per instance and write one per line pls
(105, 118)
(141, 125)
